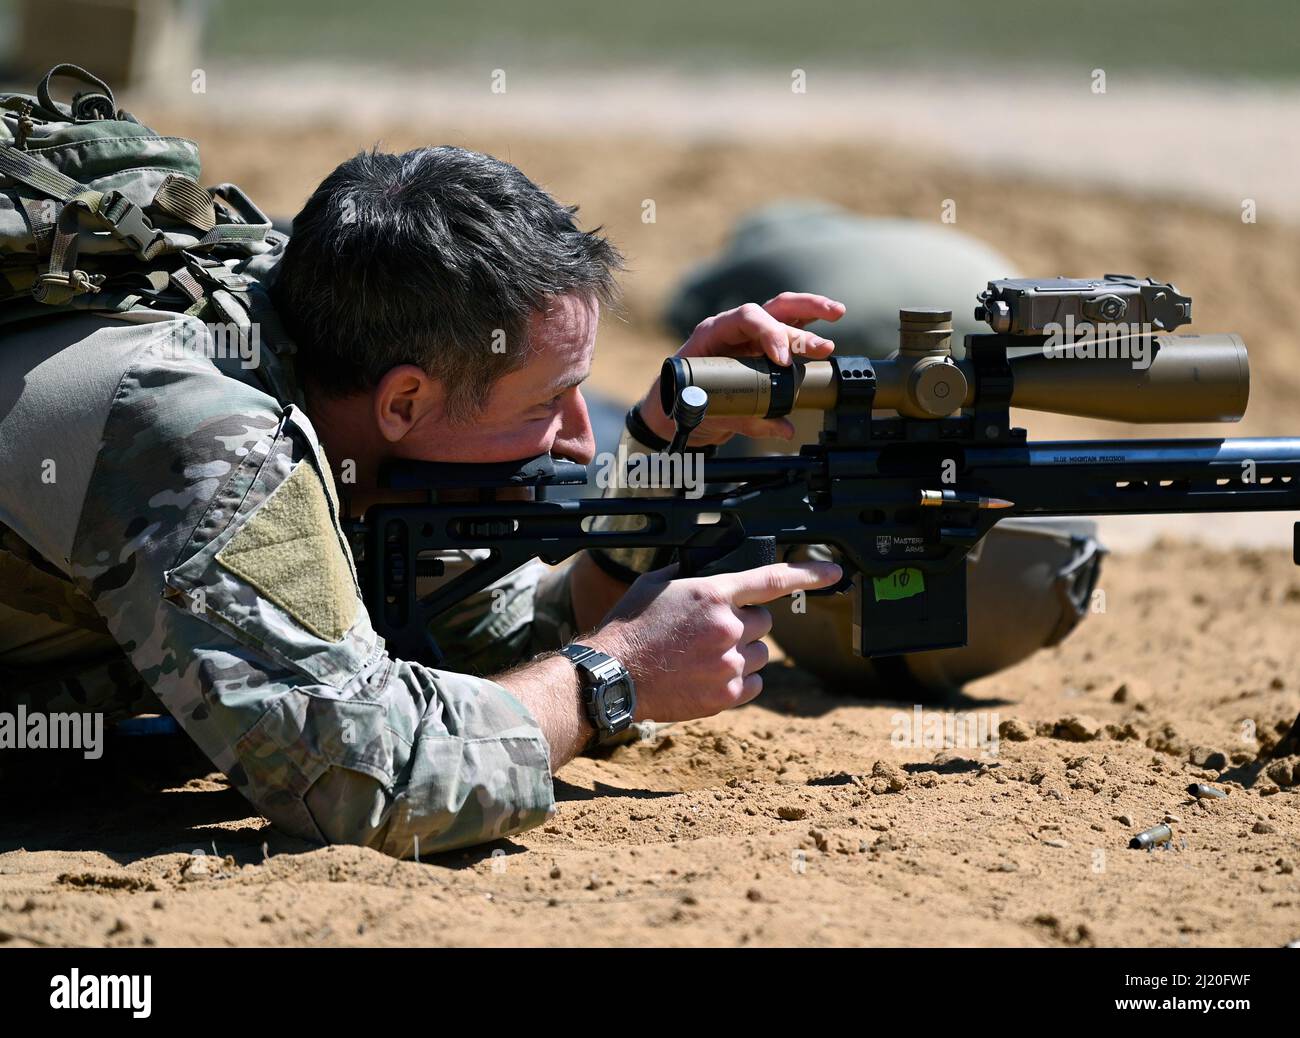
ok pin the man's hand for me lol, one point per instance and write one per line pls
(773, 330)
(693, 645)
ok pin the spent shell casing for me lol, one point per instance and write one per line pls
(1201, 790)
(1152, 837)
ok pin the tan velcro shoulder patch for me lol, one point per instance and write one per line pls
(290, 552)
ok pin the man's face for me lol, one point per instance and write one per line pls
(535, 409)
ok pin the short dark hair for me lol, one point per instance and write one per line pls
(435, 257)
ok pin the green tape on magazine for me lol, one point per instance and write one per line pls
(902, 583)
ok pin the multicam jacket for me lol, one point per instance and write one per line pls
(171, 535)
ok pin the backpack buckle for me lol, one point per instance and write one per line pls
(218, 275)
(128, 222)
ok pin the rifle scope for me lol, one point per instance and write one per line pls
(1152, 378)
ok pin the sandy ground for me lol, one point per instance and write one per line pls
(803, 819)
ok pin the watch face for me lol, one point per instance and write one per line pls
(609, 693)
(617, 701)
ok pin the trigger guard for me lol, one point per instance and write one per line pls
(845, 583)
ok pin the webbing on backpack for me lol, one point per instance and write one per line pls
(122, 191)
(117, 214)
(184, 199)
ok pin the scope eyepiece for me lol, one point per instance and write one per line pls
(740, 385)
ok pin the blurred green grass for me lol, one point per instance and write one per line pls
(1251, 39)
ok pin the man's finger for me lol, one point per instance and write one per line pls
(750, 329)
(755, 326)
(766, 583)
(804, 307)
(756, 655)
(763, 428)
(750, 688)
(807, 346)
(757, 621)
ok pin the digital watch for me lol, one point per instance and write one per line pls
(608, 691)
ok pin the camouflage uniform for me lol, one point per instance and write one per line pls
(171, 536)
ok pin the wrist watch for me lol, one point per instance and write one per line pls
(608, 691)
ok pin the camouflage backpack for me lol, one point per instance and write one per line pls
(98, 212)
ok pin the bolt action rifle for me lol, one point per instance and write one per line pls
(917, 461)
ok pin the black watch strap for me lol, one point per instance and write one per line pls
(641, 432)
(608, 691)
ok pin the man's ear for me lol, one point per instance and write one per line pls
(405, 397)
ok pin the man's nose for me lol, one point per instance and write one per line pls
(575, 440)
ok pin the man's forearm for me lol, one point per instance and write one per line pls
(548, 688)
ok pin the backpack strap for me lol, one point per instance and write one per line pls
(113, 211)
(96, 103)
(255, 227)
(41, 219)
(183, 198)
(36, 175)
